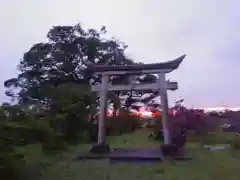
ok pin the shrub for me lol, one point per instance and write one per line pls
(210, 138)
(236, 142)
(148, 123)
(129, 122)
(121, 124)
(27, 132)
(114, 126)
(12, 165)
(157, 136)
(193, 138)
(52, 140)
(92, 133)
(156, 127)
(217, 138)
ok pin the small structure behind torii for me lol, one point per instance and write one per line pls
(161, 84)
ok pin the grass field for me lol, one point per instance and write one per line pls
(206, 165)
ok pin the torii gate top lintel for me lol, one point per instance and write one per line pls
(164, 67)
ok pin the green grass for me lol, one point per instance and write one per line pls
(206, 165)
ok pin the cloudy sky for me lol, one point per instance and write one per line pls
(208, 31)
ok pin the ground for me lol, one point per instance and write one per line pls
(206, 165)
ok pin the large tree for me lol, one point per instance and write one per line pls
(62, 59)
(54, 79)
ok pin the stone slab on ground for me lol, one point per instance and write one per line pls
(217, 147)
(134, 155)
(127, 154)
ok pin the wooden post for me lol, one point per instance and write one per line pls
(101, 120)
(164, 102)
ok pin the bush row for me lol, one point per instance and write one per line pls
(124, 123)
(201, 129)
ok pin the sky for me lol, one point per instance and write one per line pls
(208, 31)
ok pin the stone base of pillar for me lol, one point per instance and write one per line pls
(169, 149)
(100, 148)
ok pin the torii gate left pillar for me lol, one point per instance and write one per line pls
(103, 110)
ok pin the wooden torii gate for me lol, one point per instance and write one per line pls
(162, 85)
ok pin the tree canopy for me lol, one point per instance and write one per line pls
(63, 59)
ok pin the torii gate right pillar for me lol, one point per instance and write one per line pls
(164, 103)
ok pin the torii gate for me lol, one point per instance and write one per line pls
(162, 85)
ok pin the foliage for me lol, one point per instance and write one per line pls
(205, 165)
(236, 142)
(122, 123)
(12, 164)
(70, 109)
(52, 97)
(52, 89)
(175, 126)
(217, 137)
(63, 58)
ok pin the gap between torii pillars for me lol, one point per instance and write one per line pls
(164, 112)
